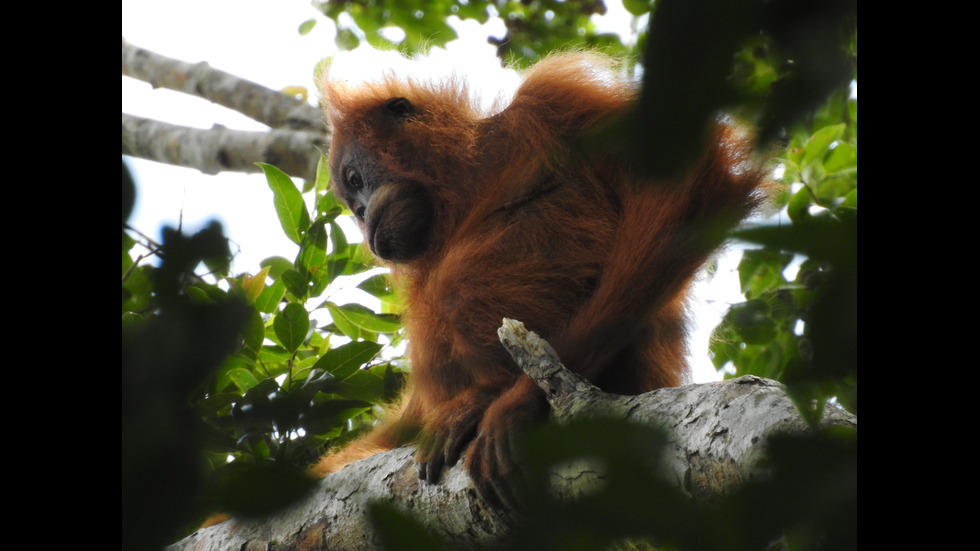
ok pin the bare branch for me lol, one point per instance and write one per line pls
(262, 104)
(212, 151)
(540, 361)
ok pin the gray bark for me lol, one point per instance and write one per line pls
(717, 434)
(297, 130)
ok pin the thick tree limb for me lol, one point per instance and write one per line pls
(269, 107)
(298, 129)
(220, 149)
(718, 432)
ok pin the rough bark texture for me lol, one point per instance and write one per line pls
(269, 107)
(221, 149)
(298, 128)
(335, 516)
(717, 431)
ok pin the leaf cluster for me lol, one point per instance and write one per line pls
(176, 330)
(803, 330)
(282, 389)
(768, 62)
(534, 27)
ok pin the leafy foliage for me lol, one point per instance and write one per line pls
(176, 331)
(284, 388)
(534, 27)
(803, 331)
(770, 62)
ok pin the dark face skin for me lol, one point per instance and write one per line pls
(396, 213)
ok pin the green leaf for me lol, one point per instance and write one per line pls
(473, 10)
(362, 385)
(843, 158)
(313, 250)
(637, 7)
(333, 415)
(291, 326)
(345, 360)
(273, 356)
(268, 300)
(254, 333)
(820, 141)
(197, 295)
(799, 204)
(346, 39)
(306, 26)
(752, 321)
(323, 178)
(137, 289)
(821, 238)
(339, 240)
(289, 204)
(761, 269)
(378, 286)
(723, 347)
(352, 319)
(328, 206)
(321, 278)
(241, 377)
(277, 265)
(296, 283)
(252, 286)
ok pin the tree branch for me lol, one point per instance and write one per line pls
(717, 430)
(293, 145)
(270, 107)
(220, 149)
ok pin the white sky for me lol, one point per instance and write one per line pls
(258, 40)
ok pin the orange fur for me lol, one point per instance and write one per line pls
(510, 215)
